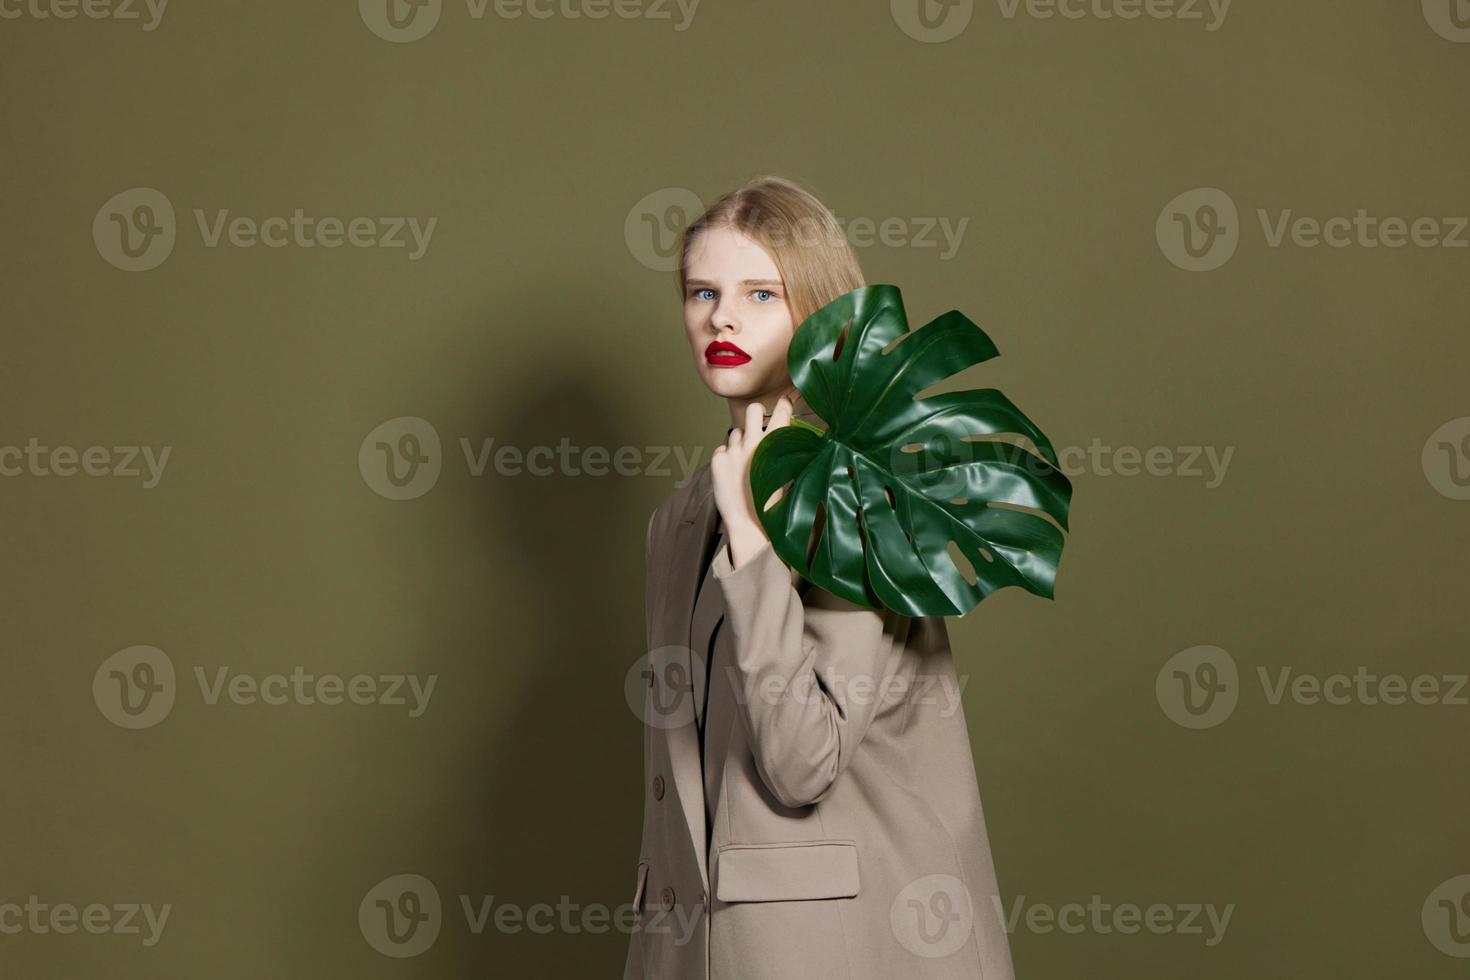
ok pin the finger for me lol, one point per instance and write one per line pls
(755, 416)
(782, 413)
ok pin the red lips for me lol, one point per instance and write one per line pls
(722, 353)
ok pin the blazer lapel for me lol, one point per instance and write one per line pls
(709, 612)
(698, 519)
(693, 538)
(684, 573)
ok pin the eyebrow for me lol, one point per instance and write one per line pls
(743, 282)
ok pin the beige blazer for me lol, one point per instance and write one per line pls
(846, 834)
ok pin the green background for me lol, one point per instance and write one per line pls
(531, 318)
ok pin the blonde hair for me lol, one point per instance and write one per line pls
(802, 235)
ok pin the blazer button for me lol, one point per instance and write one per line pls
(658, 787)
(668, 897)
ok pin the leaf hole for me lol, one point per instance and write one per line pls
(818, 523)
(779, 492)
(841, 340)
(961, 563)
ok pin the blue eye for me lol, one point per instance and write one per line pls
(766, 292)
(700, 293)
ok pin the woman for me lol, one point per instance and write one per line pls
(810, 805)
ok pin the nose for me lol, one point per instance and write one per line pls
(723, 319)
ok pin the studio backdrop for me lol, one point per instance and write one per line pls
(342, 365)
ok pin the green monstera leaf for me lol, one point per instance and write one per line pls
(877, 507)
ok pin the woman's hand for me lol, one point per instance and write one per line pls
(730, 473)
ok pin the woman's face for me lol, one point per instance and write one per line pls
(734, 298)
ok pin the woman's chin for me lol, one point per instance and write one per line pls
(730, 382)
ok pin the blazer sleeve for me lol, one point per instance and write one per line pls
(811, 670)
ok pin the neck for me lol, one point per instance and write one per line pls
(767, 402)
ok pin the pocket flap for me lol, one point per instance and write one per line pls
(638, 891)
(787, 871)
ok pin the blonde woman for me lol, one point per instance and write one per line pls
(810, 800)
